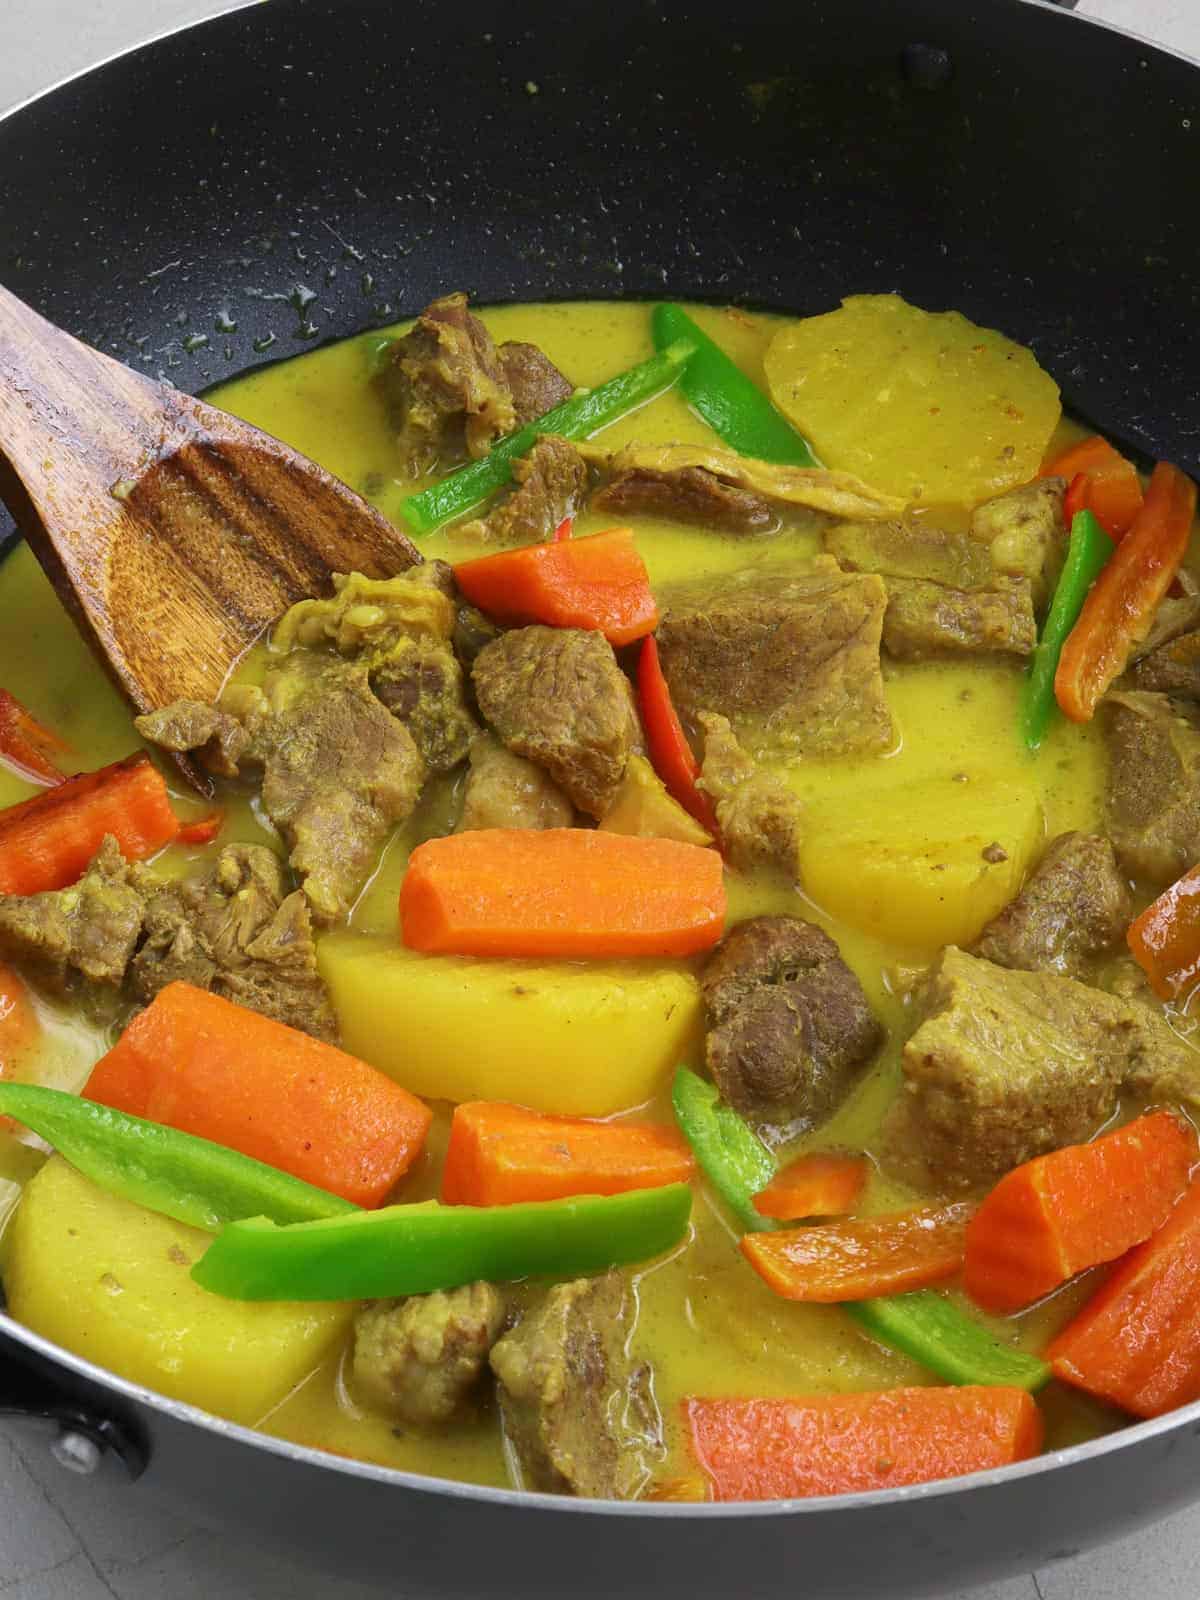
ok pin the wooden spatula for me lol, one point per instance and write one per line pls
(173, 532)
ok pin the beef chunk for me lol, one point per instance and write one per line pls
(911, 550)
(578, 1411)
(504, 790)
(446, 388)
(926, 620)
(536, 384)
(1073, 906)
(1027, 533)
(418, 1360)
(1008, 1065)
(549, 484)
(688, 494)
(759, 816)
(238, 931)
(1153, 784)
(219, 739)
(558, 697)
(791, 661)
(88, 931)
(1164, 1064)
(1174, 668)
(788, 1023)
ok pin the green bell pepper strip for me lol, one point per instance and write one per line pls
(415, 1249)
(583, 414)
(1087, 555)
(729, 1152)
(932, 1330)
(734, 408)
(190, 1179)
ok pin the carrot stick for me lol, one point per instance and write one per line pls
(814, 1186)
(1124, 598)
(47, 842)
(670, 753)
(846, 1443)
(500, 1154)
(1075, 1208)
(31, 750)
(206, 1066)
(1101, 481)
(561, 892)
(599, 582)
(858, 1260)
(1165, 939)
(19, 1027)
(1136, 1343)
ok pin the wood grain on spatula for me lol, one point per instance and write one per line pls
(174, 532)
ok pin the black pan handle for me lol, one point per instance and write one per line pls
(84, 1436)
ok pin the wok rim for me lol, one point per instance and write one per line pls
(1046, 1462)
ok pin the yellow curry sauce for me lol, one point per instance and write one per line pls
(957, 773)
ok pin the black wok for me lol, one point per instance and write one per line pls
(305, 169)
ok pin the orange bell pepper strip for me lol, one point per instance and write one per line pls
(816, 1185)
(1121, 606)
(1100, 480)
(670, 753)
(599, 582)
(501, 1154)
(846, 1443)
(203, 831)
(1165, 939)
(1136, 1343)
(47, 842)
(857, 1260)
(204, 1065)
(1075, 1208)
(572, 892)
(29, 749)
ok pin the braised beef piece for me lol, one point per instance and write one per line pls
(788, 1023)
(578, 1410)
(688, 494)
(1153, 783)
(558, 697)
(792, 661)
(1173, 668)
(446, 388)
(418, 1360)
(760, 818)
(219, 739)
(472, 631)
(549, 483)
(1026, 533)
(241, 932)
(1008, 1065)
(504, 790)
(911, 550)
(536, 384)
(88, 931)
(1074, 906)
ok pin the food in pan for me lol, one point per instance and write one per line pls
(684, 993)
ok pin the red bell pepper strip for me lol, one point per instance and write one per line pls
(819, 1185)
(670, 753)
(1100, 481)
(203, 831)
(1165, 939)
(563, 531)
(857, 1260)
(31, 750)
(1121, 606)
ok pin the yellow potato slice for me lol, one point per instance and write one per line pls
(925, 405)
(577, 1038)
(112, 1282)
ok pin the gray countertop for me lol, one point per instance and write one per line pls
(68, 1538)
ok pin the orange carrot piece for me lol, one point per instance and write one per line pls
(561, 892)
(858, 1260)
(203, 831)
(1165, 939)
(31, 750)
(1136, 1343)
(848, 1443)
(1101, 481)
(500, 1154)
(1124, 598)
(814, 1186)
(47, 842)
(599, 582)
(206, 1066)
(1075, 1208)
(19, 1027)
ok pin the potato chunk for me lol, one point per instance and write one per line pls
(112, 1282)
(921, 404)
(573, 1038)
